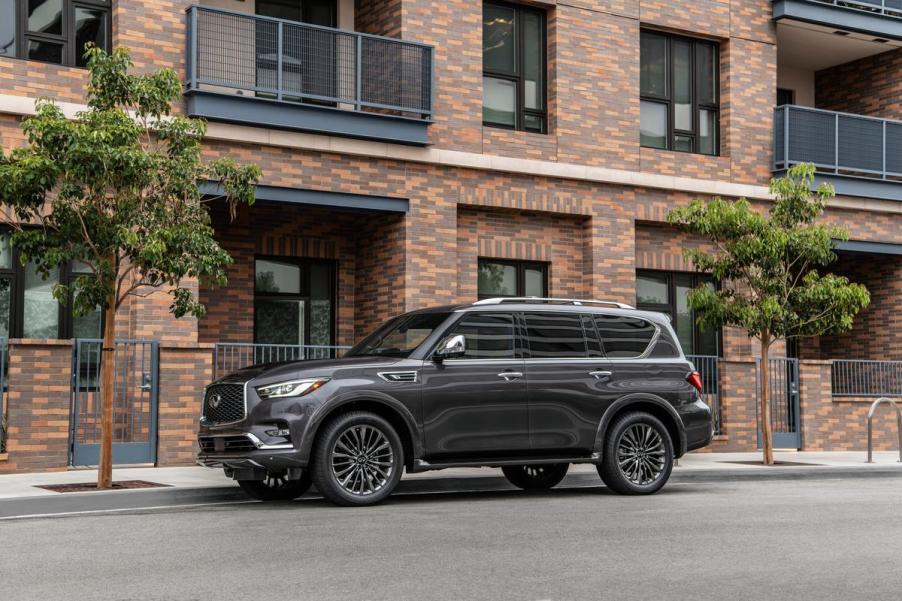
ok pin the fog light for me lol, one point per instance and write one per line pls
(283, 432)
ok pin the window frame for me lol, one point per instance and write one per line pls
(67, 38)
(303, 263)
(16, 275)
(670, 307)
(521, 266)
(696, 106)
(519, 64)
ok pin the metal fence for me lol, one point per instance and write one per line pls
(783, 393)
(859, 377)
(841, 143)
(708, 367)
(298, 62)
(231, 356)
(890, 8)
(4, 360)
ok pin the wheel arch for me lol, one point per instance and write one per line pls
(654, 405)
(394, 412)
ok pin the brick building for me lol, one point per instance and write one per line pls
(417, 153)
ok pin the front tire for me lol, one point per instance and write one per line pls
(638, 455)
(535, 477)
(358, 459)
(276, 487)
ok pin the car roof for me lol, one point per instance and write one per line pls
(546, 306)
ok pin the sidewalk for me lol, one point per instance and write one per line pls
(708, 464)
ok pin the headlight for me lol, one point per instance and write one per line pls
(292, 388)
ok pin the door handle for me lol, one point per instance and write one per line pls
(598, 375)
(510, 375)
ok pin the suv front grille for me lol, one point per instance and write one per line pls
(224, 403)
(227, 444)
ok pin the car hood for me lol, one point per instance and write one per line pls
(273, 372)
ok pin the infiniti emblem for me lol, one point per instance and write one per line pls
(215, 400)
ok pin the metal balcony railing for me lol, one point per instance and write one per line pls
(231, 356)
(298, 62)
(890, 8)
(841, 143)
(864, 378)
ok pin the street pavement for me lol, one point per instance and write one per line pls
(726, 533)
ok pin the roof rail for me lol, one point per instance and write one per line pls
(538, 299)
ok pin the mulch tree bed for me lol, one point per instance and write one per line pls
(88, 486)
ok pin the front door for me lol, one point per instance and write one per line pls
(476, 405)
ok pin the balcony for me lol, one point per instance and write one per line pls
(254, 70)
(880, 19)
(860, 156)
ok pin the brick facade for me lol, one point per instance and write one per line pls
(39, 377)
(592, 235)
(869, 86)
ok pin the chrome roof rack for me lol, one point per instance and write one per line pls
(538, 299)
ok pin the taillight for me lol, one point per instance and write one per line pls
(695, 379)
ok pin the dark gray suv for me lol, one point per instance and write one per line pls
(529, 385)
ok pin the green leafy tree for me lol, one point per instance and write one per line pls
(116, 189)
(767, 265)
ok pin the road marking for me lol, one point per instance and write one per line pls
(121, 509)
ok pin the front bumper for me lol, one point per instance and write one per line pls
(244, 450)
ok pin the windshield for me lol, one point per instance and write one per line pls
(400, 336)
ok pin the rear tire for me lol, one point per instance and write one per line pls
(276, 487)
(358, 459)
(535, 477)
(638, 455)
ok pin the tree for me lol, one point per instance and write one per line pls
(767, 265)
(116, 189)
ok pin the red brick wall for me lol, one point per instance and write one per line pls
(184, 371)
(39, 381)
(868, 86)
(560, 241)
(837, 423)
(877, 333)
(379, 17)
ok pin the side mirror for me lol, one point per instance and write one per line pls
(452, 346)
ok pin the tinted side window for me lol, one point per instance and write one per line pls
(624, 337)
(489, 336)
(552, 335)
(593, 344)
(665, 347)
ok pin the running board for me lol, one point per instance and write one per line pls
(420, 465)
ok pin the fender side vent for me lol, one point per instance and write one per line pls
(398, 376)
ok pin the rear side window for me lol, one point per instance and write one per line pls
(551, 335)
(489, 336)
(665, 347)
(624, 337)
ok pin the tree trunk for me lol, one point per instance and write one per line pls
(767, 438)
(105, 469)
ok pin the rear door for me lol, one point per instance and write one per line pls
(643, 357)
(566, 377)
(476, 405)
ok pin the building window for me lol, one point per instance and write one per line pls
(27, 306)
(679, 80)
(294, 301)
(785, 96)
(513, 64)
(53, 31)
(667, 292)
(498, 277)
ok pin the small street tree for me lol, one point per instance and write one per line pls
(116, 190)
(767, 269)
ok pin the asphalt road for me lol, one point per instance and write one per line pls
(823, 537)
